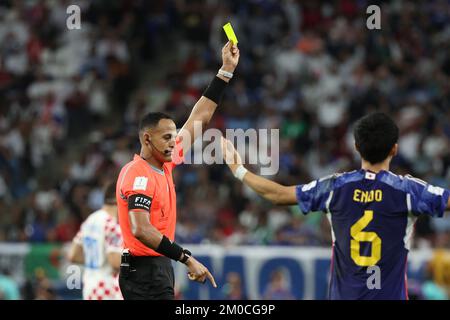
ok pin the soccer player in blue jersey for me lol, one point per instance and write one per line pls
(372, 212)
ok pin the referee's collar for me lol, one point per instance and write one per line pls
(138, 157)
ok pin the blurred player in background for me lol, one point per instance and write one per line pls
(98, 246)
(372, 212)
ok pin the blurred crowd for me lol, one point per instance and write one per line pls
(70, 102)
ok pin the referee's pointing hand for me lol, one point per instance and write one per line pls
(198, 272)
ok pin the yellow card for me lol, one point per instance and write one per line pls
(230, 33)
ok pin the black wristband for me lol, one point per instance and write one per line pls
(215, 90)
(186, 255)
(169, 249)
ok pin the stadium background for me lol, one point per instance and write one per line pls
(70, 102)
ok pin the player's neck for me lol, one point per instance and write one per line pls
(377, 167)
(111, 210)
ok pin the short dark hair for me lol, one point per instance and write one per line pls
(375, 135)
(110, 193)
(152, 119)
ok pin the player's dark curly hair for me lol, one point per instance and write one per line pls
(375, 135)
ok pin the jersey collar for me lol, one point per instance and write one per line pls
(139, 158)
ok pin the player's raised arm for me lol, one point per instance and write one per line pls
(272, 191)
(206, 105)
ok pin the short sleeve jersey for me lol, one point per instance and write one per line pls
(99, 235)
(141, 185)
(372, 218)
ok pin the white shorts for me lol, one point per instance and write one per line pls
(101, 288)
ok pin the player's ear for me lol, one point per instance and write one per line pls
(146, 138)
(394, 150)
(356, 147)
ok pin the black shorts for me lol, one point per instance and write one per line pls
(150, 278)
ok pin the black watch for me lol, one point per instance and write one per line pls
(186, 255)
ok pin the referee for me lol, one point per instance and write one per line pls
(146, 197)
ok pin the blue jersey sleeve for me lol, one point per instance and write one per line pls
(313, 196)
(425, 198)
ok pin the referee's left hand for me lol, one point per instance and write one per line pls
(230, 57)
(198, 272)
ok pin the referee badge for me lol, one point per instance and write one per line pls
(140, 183)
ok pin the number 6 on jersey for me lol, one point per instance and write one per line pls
(362, 236)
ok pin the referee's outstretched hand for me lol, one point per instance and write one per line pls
(198, 272)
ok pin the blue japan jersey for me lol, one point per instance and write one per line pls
(372, 219)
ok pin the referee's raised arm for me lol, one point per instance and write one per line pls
(204, 108)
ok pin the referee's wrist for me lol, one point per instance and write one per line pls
(188, 261)
(216, 88)
(223, 78)
(170, 249)
(225, 73)
(185, 257)
(228, 68)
